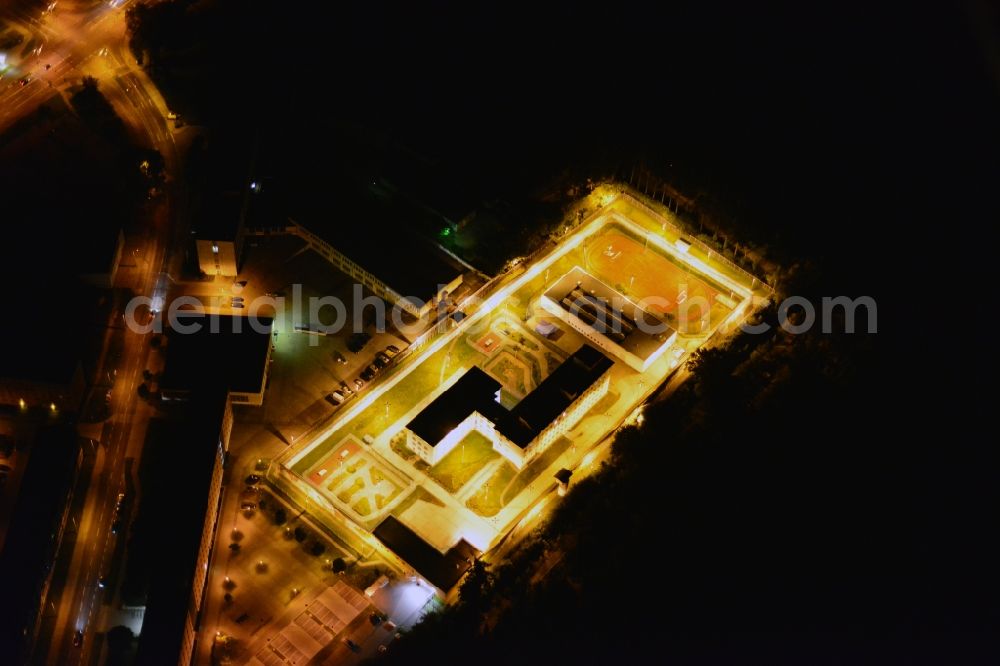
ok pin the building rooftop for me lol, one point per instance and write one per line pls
(233, 349)
(220, 168)
(609, 312)
(442, 570)
(551, 398)
(163, 561)
(28, 552)
(474, 391)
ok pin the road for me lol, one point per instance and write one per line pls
(70, 36)
(89, 39)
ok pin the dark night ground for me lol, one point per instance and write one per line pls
(848, 514)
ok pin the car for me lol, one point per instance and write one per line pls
(381, 361)
(382, 649)
(252, 479)
(337, 397)
(368, 373)
(351, 644)
(339, 358)
(238, 306)
(78, 638)
(251, 491)
(389, 626)
(375, 618)
(345, 388)
(24, 80)
(358, 383)
(102, 582)
(391, 351)
(247, 505)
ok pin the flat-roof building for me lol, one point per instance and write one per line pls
(33, 537)
(442, 570)
(169, 563)
(520, 433)
(236, 350)
(608, 318)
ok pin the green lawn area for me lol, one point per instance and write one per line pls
(535, 467)
(468, 457)
(363, 507)
(346, 494)
(488, 500)
(381, 500)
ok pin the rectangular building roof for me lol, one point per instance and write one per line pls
(170, 557)
(441, 570)
(29, 547)
(224, 347)
(610, 313)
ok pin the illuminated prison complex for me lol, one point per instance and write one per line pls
(521, 433)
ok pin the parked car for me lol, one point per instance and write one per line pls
(391, 351)
(345, 388)
(339, 358)
(369, 373)
(78, 638)
(381, 361)
(358, 383)
(247, 505)
(351, 644)
(337, 397)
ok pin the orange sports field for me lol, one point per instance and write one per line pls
(615, 258)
